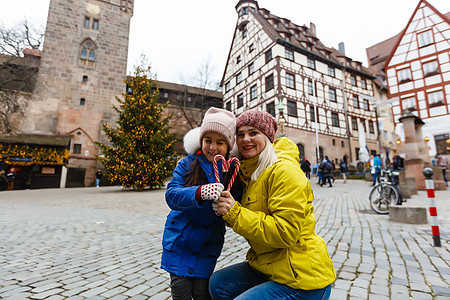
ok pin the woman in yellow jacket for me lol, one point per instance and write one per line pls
(287, 260)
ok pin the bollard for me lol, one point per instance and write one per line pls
(428, 173)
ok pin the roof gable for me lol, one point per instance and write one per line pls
(425, 18)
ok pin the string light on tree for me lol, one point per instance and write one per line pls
(141, 150)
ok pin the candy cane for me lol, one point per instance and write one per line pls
(216, 169)
(236, 170)
(225, 168)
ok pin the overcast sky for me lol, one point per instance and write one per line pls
(178, 36)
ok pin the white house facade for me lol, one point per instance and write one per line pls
(318, 93)
(418, 75)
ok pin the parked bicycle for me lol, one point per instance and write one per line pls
(386, 192)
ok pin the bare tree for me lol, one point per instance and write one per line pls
(18, 70)
(201, 92)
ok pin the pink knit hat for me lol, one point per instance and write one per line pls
(220, 121)
(259, 119)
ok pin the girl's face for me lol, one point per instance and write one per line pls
(250, 141)
(212, 144)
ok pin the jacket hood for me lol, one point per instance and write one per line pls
(286, 150)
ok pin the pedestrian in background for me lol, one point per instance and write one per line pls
(343, 169)
(320, 172)
(333, 167)
(443, 164)
(3, 180)
(193, 234)
(11, 177)
(305, 165)
(375, 168)
(286, 259)
(326, 168)
(98, 177)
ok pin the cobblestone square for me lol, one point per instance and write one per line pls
(105, 243)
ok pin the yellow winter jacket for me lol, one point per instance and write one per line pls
(276, 216)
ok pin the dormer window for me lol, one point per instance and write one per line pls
(245, 10)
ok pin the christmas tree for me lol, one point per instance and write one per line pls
(141, 150)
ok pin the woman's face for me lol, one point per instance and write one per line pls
(250, 141)
(212, 144)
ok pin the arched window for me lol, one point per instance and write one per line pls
(87, 53)
(301, 150)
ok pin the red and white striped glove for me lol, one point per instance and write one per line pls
(211, 191)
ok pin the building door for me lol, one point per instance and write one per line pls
(75, 177)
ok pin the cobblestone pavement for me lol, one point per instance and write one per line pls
(105, 243)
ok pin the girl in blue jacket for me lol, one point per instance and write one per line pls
(193, 233)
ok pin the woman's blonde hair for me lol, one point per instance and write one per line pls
(267, 157)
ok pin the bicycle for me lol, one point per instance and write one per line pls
(386, 192)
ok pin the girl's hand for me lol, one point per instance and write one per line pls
(225, 203)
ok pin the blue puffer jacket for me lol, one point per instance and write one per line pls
(193, 234)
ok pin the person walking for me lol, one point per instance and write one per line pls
(98, 177)
(443, 164)
(286, 259)
(326, 168)
(305, 165)
(320, 172)
(193, 234)
(343, 169)
(333, 167)
(375, 164)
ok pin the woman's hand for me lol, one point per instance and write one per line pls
(225, 203)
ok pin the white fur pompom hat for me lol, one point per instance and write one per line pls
(191, 141)
(215, 120)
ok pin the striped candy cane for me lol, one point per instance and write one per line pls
(226, 167)
(236, 170)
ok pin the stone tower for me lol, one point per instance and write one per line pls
(83, 65)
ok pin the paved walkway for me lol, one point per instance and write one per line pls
(105, 243)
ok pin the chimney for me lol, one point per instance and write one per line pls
(341, 46)
(312, 28)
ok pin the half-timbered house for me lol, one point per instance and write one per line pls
(319, 94)
(418, 75)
